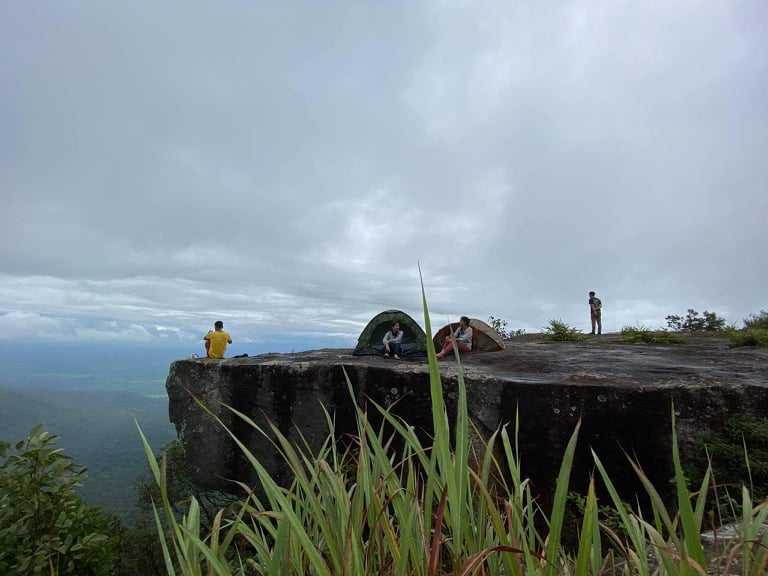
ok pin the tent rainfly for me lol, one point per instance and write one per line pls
(484, 338)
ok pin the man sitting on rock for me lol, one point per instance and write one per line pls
(216, 341)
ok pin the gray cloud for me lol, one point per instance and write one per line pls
(285, 166)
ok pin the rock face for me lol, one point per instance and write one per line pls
(623, 394)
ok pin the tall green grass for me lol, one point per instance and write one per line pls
(559, 331)
(749, 337)
(432, 508)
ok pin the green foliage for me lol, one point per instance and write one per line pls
(499, 325)
(609, 516)
(759, 321)
(559, 331)
(749, 337)
(641, 335)
(180, 486)
(707, 322)
(45, 527)
(754, 333)
(501, 328)
(140, 550)
(739, 454)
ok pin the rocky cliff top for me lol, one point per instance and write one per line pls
(622, 393)
(603, 360)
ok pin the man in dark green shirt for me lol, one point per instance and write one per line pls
(595, 313)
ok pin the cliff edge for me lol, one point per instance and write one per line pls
(623, 394)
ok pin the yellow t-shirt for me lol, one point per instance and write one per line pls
(219, 340)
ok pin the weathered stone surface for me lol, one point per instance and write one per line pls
(622, 393)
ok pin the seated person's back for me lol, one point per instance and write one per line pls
(217, 340)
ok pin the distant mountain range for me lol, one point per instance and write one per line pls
(89, 395)
(96, 429)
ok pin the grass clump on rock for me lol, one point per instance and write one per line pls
(754, 333)
(559, 331)
(642, 335)
(749, 337)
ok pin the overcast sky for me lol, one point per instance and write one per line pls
(285, 166)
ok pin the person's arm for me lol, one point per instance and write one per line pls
(398, 338)
(387, 338)
(466, 338)
(207, 336)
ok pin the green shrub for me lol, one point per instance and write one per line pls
(499, 325)
(45, 527)
(501, 328)
(707, 322)
(757, 320)
(641, 335)
(739, 455)
(749, 337)
(559, 331)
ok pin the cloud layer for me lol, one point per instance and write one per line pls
(285, 166)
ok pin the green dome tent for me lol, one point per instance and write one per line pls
(370, 341)
(484, 338)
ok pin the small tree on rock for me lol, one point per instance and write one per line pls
(707, 322)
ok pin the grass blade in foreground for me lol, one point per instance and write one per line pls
(554, 546)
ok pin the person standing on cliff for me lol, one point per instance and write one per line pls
(595, 313)
(216, 341)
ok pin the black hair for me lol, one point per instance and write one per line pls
(591, 293)
(465, 319)
(393, 323)
(218, 324)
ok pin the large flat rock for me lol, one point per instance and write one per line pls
(623, 394)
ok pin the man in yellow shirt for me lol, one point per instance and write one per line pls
(217, 340)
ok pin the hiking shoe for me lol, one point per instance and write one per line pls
(397, 357)
(386, 355)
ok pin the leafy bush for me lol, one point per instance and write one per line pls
(757, 320)
(139, 552)
(641, 335)
(754, 333)
(749, 337)
(499, 325)
(45, 527)
(707, 322)
(739, 454)
(561, 332)
(501, 328)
